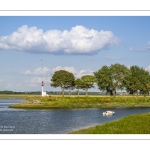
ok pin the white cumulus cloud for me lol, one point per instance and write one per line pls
(76, 73)
(78, 40)
(69, 69)
(147, 68)
(84, 72)
(37, 71)
(47, 72)
(38, 80)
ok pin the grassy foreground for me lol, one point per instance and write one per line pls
(133, 124)
(54, 102)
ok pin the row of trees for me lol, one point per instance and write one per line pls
(134, 80)
(66, 80)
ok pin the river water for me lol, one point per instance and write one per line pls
(60, 121)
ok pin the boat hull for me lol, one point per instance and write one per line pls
(108, 113)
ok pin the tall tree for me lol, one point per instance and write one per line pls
(111, 78)
(103, 77)
(79, 84)
(133, 84)
(138, 81)
(148, 87)
(63, 79)
(144, 79)
(118, 76)
(88, 81)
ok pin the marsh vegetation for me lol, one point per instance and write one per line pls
(69, 102)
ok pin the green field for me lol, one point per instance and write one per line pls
(57, 102)
(134, 124)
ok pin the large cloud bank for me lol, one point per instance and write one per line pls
(79, 40)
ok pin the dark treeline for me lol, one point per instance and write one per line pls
(13, 92)
(109, 79)
(51, 93)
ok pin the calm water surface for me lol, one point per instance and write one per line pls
(62, 121)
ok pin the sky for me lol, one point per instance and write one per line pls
(32, 48)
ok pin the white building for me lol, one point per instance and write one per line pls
(43, 93)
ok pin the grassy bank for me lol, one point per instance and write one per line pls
(54, 102)
(134, 124)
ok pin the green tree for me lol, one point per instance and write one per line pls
(63, 79)
(111, 78)
(138, 81)
(88, 82)
(148, 86)
(118, 77)
(132, 83)
(103, 77)
(144, 79)
(79, 84)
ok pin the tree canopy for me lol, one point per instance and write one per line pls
(108, 78)
(111, 78)
(79, 84)
(138, 80)
(103, 77)
(88, 81)
(63, 79)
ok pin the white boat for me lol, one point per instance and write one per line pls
(107, 113)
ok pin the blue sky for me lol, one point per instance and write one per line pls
(32, 48)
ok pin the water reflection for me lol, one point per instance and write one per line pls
(59, 121)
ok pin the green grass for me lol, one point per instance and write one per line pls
(53, 102)
(134, 124)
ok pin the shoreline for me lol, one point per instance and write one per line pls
(119, 126)
(56, 108)
(52, 102)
